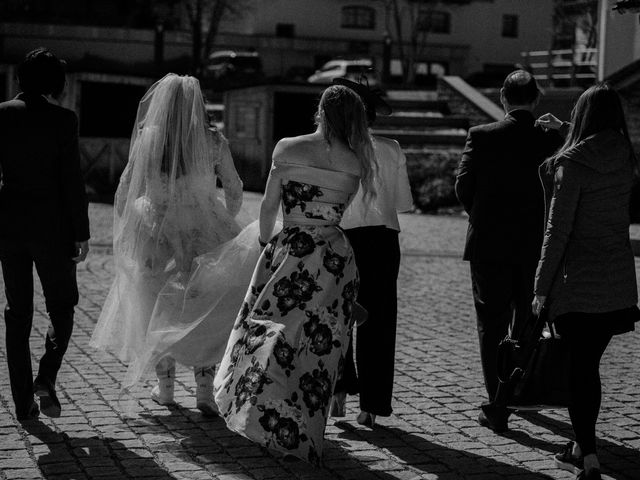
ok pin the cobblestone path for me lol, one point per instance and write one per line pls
(432, 434)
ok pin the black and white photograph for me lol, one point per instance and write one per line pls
(320, 239)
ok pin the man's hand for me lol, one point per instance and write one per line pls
(549, 121)
(538, 303)
(82, 249)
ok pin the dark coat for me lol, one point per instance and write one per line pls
(498, 185)
(42, 197)
(587, 264)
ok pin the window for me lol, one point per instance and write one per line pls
(358, 17)
(510, 26)
(285, 30)
(434, 21)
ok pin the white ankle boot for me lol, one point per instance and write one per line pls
(162, 393)
(204, 391)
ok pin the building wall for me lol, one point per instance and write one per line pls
(622, 41)
(631, 102)
(475, 38)
(476, 28)
(73, 42)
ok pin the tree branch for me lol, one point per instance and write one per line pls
(218, 10)
(190, 13)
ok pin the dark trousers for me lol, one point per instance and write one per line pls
(587, 336)
(57, 273)
(502, 295)
(377, 253)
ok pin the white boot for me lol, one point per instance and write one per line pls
(162, 393)
(204, 391)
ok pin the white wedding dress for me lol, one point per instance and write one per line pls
(182, 263)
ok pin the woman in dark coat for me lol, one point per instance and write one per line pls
(586, 275)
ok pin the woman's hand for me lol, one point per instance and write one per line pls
(549, 121)
(538, 303)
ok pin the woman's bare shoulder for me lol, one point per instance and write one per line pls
(295, 149)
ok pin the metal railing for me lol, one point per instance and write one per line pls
(567, 67)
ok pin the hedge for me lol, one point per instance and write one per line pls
(432, 176)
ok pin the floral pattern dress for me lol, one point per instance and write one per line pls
(276, 379)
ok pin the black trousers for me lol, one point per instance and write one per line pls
(502, 295)
(57, 273)
(377, 253)
(588, 335)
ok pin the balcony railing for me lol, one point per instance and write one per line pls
(563, 68)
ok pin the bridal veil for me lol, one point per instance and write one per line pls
(181, 261)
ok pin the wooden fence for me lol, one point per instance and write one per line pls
(563, 68)
(102, 161)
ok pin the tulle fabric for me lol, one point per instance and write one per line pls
(195, 312)
(167, 212)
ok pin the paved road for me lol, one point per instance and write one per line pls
(432, 434)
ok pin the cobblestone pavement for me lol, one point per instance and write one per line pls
(433, 433)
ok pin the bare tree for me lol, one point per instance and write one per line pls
(575, 28)
(571, 18)
(413, 21)
(204, 18)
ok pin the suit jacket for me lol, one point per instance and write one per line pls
(499, 187)
(42, 197)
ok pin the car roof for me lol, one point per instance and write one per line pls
(342, 61)
(233, 53)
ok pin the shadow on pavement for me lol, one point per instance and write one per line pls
(206, 442)
(618, 462)
(70, 457)
(433, 458)
(224, 452)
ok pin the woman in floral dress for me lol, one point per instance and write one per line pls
(276, 379)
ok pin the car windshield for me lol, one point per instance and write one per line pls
(245, 62)
(218, 60)
(328, 68)
(358, 68)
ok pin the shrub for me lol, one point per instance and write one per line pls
(432, 178)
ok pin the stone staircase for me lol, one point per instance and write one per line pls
(432, 127)
(422, 122)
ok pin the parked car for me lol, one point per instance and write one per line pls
(232, 67)
(298, 73)
(350, 69)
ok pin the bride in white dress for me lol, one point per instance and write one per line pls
(178, 277)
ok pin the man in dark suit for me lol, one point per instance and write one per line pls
(43, 213)
(499, 187)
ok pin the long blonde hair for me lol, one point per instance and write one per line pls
(343, 118)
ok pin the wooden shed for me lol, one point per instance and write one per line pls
(255, 118)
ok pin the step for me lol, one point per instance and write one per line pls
(417, 150)
(423, 105)
(420, 121)
(413, 137)
(415, 95)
